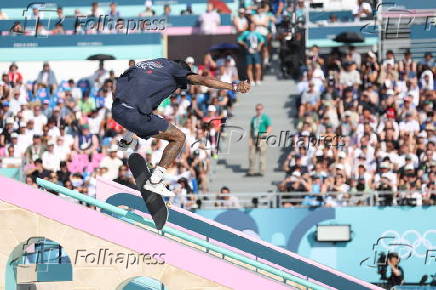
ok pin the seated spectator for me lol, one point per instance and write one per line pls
(112, 163)
(38, 171)
(58, 29)
(46, 77)
(226, 200)
(124, 178)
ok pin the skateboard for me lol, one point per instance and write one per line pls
(154, 202)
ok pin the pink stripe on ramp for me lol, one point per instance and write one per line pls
(132, 237)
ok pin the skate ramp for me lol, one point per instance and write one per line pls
(238, 241)
(190, 261)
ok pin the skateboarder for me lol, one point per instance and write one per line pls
(141, 89)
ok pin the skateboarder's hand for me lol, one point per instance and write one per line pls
(243, 87)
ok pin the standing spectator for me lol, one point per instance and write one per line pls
(209, 20)
(95, 10)
(167, 10)
(252, 41)
(278, 6)
(260, 128)
(60, 13)
(113, 12)
(262, 19)
(240, 22)
(5, 86)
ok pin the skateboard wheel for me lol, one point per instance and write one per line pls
(168, 204)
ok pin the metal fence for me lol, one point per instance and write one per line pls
(307, 199)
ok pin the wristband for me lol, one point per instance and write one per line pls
(235, 86)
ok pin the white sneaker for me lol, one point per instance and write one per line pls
(253, 84)
(158, 188)
(258, 83)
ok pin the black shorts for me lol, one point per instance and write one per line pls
(144, 126)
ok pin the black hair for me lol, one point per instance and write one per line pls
(183, 64)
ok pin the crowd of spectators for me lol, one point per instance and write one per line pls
(63, 131)
(374, 129)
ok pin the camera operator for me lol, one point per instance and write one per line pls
(395, 274)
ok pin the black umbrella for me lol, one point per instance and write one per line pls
(101, 57)
(349, 37)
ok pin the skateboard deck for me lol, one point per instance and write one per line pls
(154, 202)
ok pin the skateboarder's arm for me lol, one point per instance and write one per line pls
(242, 87)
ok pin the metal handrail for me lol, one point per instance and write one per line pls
(179, 234)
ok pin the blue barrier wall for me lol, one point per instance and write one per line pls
(409, 231)
(79, 47)
(422, 32)
(409, 4)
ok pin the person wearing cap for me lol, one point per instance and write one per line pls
(50, 160)
(349, 77)
(7, 112)
(85, 142)
(385, 179)
(428, 61)
(260, 129)
(409, 125)
(140, 90)
(112, 163)
(407, 64)
(191, 62)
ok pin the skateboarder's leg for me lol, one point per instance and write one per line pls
(176, 140)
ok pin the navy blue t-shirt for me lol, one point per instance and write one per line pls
(149, 82)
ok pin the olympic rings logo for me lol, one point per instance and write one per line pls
(410, 244)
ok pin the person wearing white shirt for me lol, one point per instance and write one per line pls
(39, 120)
(15, 103)
(50, 160)
(209, 20)
(112, 163)
(409, 125)
(61, 149)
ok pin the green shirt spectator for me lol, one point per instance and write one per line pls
(259, 124)
(86, 104)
